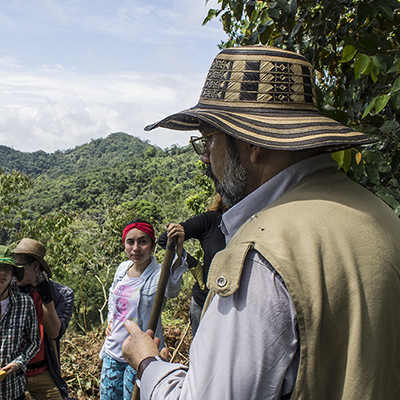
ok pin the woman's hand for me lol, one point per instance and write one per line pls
(108, 329)
(178, 232)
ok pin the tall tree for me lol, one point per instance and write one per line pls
(354, 48)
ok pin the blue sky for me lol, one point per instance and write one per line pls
(76, 70)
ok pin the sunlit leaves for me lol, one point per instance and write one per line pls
(358, 157)
(343, 159)
(264, 17)
(348, 53)
(211, 14)
(376, 105)
(361, 63)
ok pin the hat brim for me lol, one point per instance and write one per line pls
(42, 262)
(278, 129)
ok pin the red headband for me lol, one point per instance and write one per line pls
(142, 226)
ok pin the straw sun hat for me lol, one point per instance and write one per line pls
(265, 96)
(34, 249)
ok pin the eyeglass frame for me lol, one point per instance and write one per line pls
(194, 139)
(23, 265)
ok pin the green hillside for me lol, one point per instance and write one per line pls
(115, 148)
(101, 173)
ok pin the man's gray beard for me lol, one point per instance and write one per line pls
(231, 187)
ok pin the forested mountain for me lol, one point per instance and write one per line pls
(115, 148)
(101, 173)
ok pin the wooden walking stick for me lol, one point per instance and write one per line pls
(159, 299)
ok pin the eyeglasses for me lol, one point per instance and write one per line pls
(200, 143)
(22, 265)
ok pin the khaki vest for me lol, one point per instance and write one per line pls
(337, 248)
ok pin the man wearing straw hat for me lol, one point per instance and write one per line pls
(54, 305)
(306, 293)
(19, 336)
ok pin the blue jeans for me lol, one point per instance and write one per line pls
(117, 380)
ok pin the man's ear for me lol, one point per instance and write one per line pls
(37, 267)
(255, 152)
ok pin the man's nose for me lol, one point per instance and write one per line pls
(205, 156)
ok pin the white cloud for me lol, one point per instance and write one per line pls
(9, 62)
(73, 70)
(58, 109)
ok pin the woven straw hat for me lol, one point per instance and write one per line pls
(34, 249)
(265, 96)
(7, 258)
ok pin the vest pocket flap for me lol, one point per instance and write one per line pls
(226, 269)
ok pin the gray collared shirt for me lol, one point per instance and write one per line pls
(236, 216)
(246, 346)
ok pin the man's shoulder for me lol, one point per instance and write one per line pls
(20, 297)
(58, 287)
(201, 224)
(205, 216)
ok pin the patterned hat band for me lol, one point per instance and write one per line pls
(7, 261)
(265, 96)
(252, 79)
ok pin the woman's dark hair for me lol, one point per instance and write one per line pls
(216, 204)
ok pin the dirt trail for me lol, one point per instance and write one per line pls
(81, 365)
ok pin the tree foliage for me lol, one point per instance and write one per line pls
(198, 201)
(354, 48)
(12, 187)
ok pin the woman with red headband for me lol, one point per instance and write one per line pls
(131, 296)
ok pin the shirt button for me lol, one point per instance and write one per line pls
(221, 281)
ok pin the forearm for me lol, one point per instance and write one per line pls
(51, 321)
(154, 386)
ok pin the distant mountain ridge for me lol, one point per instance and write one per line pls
(115, 149)
(108, 171)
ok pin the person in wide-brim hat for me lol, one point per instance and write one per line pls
(265, 96)
(293, 295)
(34, 249)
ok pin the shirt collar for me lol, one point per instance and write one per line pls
(260, 198)
(149, 269)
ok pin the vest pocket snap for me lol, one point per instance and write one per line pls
(221, 281)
